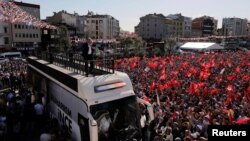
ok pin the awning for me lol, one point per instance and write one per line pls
(201, 46)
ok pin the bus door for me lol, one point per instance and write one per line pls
(84, 127)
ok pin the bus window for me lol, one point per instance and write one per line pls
(119, 118)
(84, 127)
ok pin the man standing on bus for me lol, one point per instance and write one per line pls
(88, 52)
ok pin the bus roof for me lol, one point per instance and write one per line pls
(97, 89)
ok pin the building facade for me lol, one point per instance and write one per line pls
(5, 36)
(204, 26)
(157, 26)
(80, 25)
(104, 27)
(66, 19)
(26, 37)
(182, 25)
(248, 29)
(152, 27)
(234, 26)
(187, 27)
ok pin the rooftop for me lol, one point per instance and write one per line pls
(27, 4)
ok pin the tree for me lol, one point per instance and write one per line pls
(138, 42)
(127, 41)
(169, 44)
(156, 51)
(64, 39)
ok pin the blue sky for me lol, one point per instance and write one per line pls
(128, 12)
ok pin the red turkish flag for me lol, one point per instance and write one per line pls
(166, 86)
(218, 79)
(160, 88)
(193, 70)
(146, 98)
(237, 69)
(194, 89)
(231, 77)
(175, 72)
(174, 115)
(242, 121)
(214, 91)
(152, 87)
(229, 88)
(133, 65)
(205, 91)
(152, 65)
(189, 74)
(163, 77)
(204, 75)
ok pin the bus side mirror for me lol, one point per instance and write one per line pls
(93, 128)
(93, 123)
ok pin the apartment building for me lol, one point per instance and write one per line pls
(158, 27)
(234, 26)
(152, 27)
(5, 36)
(204, 26)
(26, 37)
(103, 27)
(182, 25)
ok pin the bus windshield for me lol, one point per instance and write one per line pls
(117, 120)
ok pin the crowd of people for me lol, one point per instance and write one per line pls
(22, 112)
(190, 92)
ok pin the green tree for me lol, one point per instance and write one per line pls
(169, 44)
(138, 42)
(64, 39)
(156, 51)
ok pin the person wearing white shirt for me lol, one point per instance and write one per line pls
(105, 124)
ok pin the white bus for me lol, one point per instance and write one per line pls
(85, 105)
(11, 55)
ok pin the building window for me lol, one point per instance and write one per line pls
(19, 26)
(6, 40)
(100, 21)
(22, 26)
(87, 21)
(27, 35)
(93, 21)
(20, 35)
(34, 36)
(45, 32)
(26, 26)
(30, 35)
(16, 35)
(5, 29)
(23, 35)
(15, 26)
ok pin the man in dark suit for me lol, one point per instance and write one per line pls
(88, 52)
